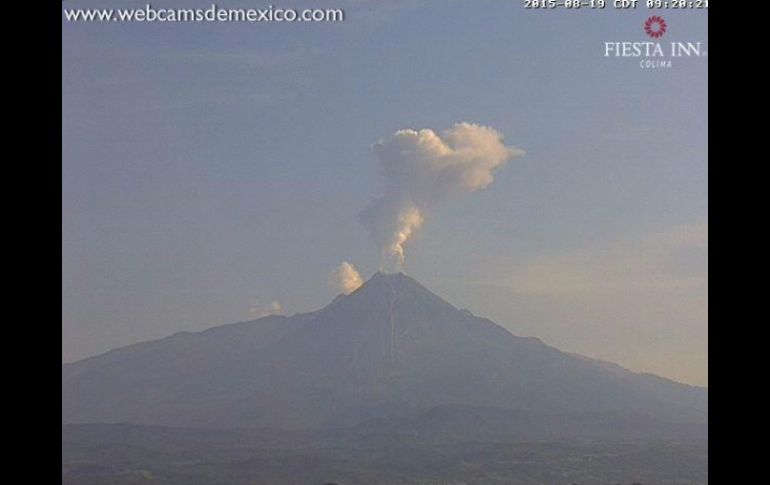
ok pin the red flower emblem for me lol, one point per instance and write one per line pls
(655, 26)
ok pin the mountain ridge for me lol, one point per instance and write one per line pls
(391, 350)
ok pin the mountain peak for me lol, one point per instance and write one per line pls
(393, 278)
(396, 284)
(382, 274)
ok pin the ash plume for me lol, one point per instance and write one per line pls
(420, 169)
(345, 278)
(257, 309)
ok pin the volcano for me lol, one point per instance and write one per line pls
(391, 354)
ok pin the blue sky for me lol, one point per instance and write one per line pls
(209, 168)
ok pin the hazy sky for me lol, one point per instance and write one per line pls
(215, 171)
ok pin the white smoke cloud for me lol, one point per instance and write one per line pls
(421, 168)
(346, 278)
(258, 309)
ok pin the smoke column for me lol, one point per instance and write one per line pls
(420, 169)
(346, 278)
(259, 310)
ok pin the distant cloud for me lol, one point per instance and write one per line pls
(259, 310)
(694, 235)
(345, 278)
(652, 264)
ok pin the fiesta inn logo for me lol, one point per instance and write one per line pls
(654, 55)
(655, 27)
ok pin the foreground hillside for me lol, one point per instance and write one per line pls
(127, 454)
